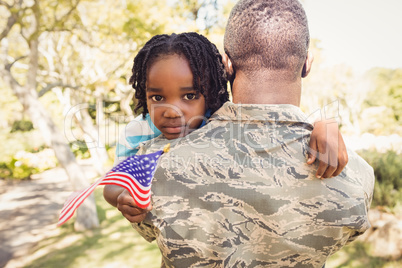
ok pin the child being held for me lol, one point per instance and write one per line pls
(179, 81)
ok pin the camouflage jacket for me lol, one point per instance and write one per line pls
(238, 193)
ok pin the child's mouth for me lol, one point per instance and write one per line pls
(174, 129)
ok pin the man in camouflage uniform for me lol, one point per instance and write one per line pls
(237, 192)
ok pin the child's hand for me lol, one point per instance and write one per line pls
(127, 207)
(326, 142)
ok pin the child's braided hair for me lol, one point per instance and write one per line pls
(205, 63)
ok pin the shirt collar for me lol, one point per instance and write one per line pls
(260, 112)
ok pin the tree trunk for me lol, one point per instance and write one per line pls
(93, 141)
(79, 113)
(87, 217)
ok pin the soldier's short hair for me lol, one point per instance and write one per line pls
(270, 34)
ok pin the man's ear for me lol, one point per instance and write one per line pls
(307, 64)
(228, 66)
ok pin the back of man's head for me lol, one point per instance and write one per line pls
(267, 35)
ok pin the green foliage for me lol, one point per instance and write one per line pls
(5, 171)
(137, 26)
(23, 154)
(16, 169)
(24, 164)
(12, 143)
(204, 13)
(388, 90)
(110, 109)
(387, 93)
(21, 125)
(356, 255)
(80, 149)
(388, 173)
(10, 108)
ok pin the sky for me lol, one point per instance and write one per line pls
(359, 33)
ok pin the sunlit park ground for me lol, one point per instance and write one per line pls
(113, 244)
(116, 244)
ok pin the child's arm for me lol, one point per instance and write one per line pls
(124, 202)
(137, 131)
(326, 142)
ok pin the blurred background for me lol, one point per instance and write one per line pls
(64, 69)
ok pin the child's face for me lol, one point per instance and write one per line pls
(173, 104)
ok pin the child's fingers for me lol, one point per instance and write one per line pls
(342, 162)
(312, 151)
(316, 150)
(338, 158)
(332, 159)
(311, 157)
(133, 215)
(337, 171)
(125, 198)
(322, 167)
(329, 172)
(126, 205)
(343, 157)
(323, 158)
(149, 208)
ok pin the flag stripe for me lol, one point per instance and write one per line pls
(131, 179)
(69, 210)
(128, 186)
(140, 203)
(134, 174)
(71, 201)
(142, 191)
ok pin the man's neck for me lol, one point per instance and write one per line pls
(273, 87)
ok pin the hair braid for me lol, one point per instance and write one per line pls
(205, 63)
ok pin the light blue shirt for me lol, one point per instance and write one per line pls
(136, 132)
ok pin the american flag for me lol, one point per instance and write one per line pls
(134, 174)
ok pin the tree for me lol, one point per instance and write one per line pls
(25, 23)
(199, 15)
(82, 52)
(387, 91)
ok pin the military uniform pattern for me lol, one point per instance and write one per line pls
(238, 193)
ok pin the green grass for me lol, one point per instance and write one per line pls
(356, 255)
(114, 244)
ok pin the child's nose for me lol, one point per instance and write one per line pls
(172, 111)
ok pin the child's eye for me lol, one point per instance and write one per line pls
(157, 98)
(190, 96)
